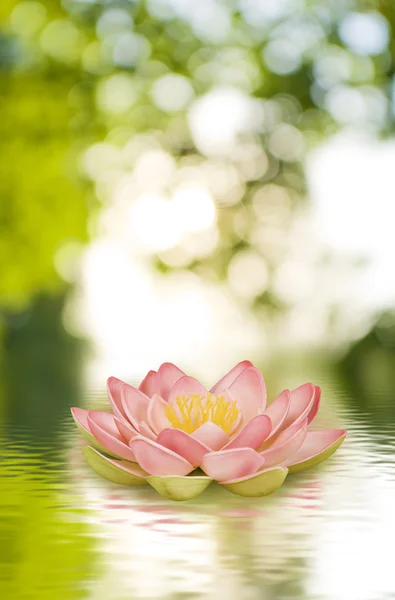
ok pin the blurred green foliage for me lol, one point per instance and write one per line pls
(42, 205)
(85, 93)
(58, 95)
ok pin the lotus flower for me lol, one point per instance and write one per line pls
(173, 434)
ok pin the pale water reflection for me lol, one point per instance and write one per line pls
(328, 534)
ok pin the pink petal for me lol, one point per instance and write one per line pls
(237, 425)
(156, 416)
(211, 435)
(135, 404)
(286, 445)
(315, 443)
(105, 420)
(168, 375)
(81, 416)
(158, 460)
(302, 400)
(185, 386)
(278, 410)
(253, 434)
(316, 404)
(249, 391)
(149, 385)
(114, 386)
(146, 431)
(183, 444)
(126, 430)
(103, 427)
(231, 464)
(226, 381)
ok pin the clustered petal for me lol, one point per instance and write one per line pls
(226, 434)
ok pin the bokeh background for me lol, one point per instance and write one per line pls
(199, 182)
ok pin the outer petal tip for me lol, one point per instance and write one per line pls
(317, 447)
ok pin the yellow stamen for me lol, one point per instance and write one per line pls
(190, 412)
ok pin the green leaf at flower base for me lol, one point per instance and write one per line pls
(260, 484)
(178, 487)
(317, 459)
(117, 471)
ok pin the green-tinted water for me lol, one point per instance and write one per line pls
(328, 534)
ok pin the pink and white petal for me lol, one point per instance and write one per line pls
(135, 404)
(168, 375)
(156, 416)
(211, 435)
(178, 487)
(231, 464)
(185, 386)
(302, 400)
(183, 444)
(278, 410)
(146, 431)
(316, 404)
(237, 425)
(226, 381)
(117, 471)
(317, 447)
(158, 460)
(286, 445)
(126, 430)
(108, 435)
(249, 391)
(262, 483)
(253, 434)
(149, 385)
(114, 386)
(105, 420)
(80, 416)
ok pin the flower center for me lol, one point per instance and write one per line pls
(190, 412)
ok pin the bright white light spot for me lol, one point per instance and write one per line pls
(218, 117)
(193, 208)
(155, 162)
(156, 223)
(172, 92)
(151, 224)
(365, 33)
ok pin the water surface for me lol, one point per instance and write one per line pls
(326, 535)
